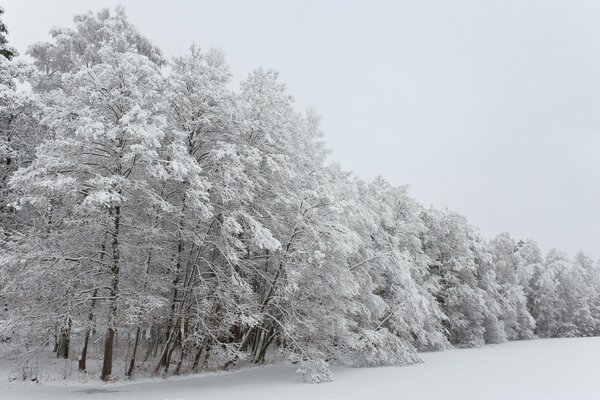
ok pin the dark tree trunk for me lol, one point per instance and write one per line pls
(260, 358)
(197, 358)
(88, 330)
(114, 293)
(170, 352)
(181, 359)
(64, 340)
(165, 351)
(86, 339)
(55, 348)
(108, 354)
(135, 346)
(83, 359)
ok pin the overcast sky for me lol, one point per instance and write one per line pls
(491, 108)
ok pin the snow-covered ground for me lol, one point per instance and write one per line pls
(549, 369)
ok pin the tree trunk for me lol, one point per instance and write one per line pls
(64, 340)
(197, 358)
(260, 358)
(170, 352)
(165, 350)
(55, 348)
(88, 330)
(108, 354)
(83, 359)
(114, 293)
(135, 346)
(148, 337)
(181, 359)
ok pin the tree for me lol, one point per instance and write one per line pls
(453, 271)
(548, 306)
(20, 132)
(518, 322)
(579, 292)
(103, 162)
(5, 50)
(208, 227)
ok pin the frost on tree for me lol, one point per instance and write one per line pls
(154, 216)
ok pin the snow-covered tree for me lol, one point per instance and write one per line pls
(518, 322)
(95, 179)
(207, 226)
(548, 306)
(6, 51)
(448, 242)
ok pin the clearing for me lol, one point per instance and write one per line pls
(557, 369)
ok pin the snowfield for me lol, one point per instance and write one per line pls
(549, 369)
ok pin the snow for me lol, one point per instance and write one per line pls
(548, 369)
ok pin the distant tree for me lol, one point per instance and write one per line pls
(549, 307)
(518, 322)
(580, 290)
(449, 242)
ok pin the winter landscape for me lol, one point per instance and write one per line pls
(169, 231)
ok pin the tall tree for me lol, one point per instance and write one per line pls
(208, 227)
(106, 117)
(518, 322)
(5, 50)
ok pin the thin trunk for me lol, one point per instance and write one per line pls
(137, 332)
(164, 353)
(149, 337)
(114, 293)
(197, 358)
(155, 341)
(206, 355)
(135, 346)
(64, 340)
(260, 358)
(170, 352)
(178, 256)
(181, 358)
(88, 330)
(55, 348)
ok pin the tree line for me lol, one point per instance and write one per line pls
(153, 217)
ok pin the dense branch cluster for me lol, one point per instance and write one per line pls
(151, 214)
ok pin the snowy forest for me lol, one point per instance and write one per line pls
(162, 220)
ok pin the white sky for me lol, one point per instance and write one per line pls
(488, 107)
